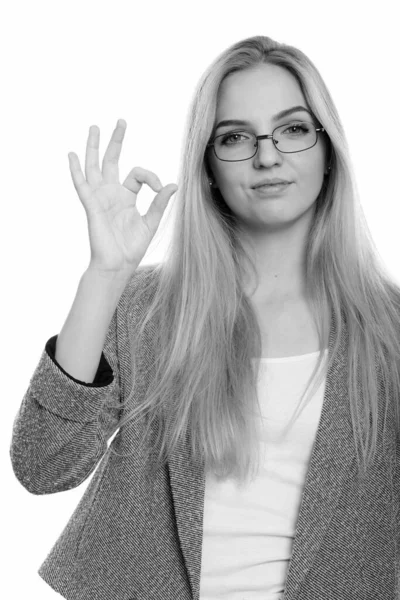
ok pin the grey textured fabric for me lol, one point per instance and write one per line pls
(133, 537)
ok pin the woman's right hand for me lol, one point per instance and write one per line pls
(119, 235)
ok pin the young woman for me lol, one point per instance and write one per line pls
(217, 484)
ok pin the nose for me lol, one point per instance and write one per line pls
(267, 153)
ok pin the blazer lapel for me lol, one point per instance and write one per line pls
(331, 456)
(332, 453)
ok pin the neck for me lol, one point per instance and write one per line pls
(279, 258)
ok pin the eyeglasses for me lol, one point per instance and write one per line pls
(290, 138)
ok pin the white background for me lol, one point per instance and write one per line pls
(68, 65)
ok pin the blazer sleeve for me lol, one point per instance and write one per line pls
(61, 429)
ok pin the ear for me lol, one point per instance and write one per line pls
(210, 175)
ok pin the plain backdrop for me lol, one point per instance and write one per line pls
(68, 65)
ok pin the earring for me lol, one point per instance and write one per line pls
(210, 182)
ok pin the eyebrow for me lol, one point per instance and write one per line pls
(280, 115)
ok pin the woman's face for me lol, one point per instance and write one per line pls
(257, 95)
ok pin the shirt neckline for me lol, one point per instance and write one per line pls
(295, 358)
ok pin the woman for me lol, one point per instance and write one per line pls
(216, 485)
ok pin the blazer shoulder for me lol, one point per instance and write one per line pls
(141, 285)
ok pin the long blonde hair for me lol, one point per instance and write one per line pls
(205, 383)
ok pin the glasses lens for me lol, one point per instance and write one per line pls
(295, 137)
(241, 145)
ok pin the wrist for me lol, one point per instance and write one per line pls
(106, 280)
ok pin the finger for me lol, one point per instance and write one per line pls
(111, 157)
(157, 208)
(138, 176)
(92, 168)
(81, 185)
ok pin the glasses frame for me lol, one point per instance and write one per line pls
(265, 137)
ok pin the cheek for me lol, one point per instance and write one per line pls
(309, 185)
(228, 184)
(233, 177)
(311, 173)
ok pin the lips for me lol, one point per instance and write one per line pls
(272, 190)
(271, 183)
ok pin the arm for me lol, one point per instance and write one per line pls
(62, 427)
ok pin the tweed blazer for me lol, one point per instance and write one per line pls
(133, 537)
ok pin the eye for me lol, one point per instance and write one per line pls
(236, 134)
(299, 127)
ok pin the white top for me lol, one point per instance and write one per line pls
(248, 532)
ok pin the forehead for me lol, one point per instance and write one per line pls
(263, 90)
